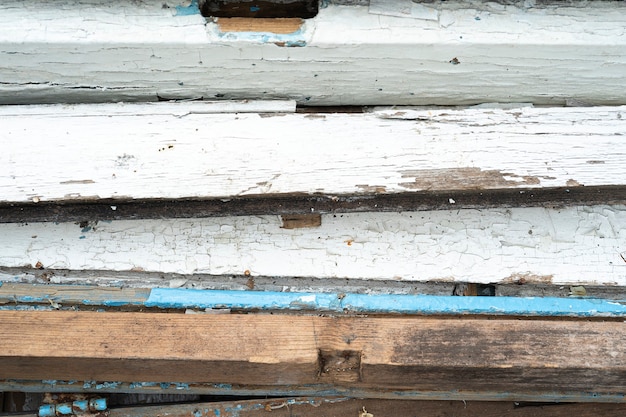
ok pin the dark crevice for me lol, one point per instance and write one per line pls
(299, 203)
(304, 9)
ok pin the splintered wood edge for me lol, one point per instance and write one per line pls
(272, 25)
(416, 353)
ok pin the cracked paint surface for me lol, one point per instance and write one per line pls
(577, 245)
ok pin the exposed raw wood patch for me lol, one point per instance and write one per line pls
(299, 221)
(465, 179)
(528, 279)
(242, 24)
(375, 189)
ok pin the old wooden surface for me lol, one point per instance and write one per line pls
(346, 407)
(343, 407)
(427, 354)
(453, 52)
(170, 151)
(580, 245)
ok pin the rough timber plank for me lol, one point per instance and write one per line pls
(344, 407)
(461, 52)
(128, 152)
(576, 245)
(523, 356)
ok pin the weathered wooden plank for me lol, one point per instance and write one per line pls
(516, 356)
(314, 390)
(569, 246)
(456, 52)
(174, 152)
(314, 406)
(344, 407)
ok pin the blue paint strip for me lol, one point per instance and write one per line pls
(383, 303)
(245, 300)
(431, 304)
(180, 298)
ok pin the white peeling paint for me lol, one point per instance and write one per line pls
(577, 246)
(83, 152)
(472, 52)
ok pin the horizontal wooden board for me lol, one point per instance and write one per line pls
(455, 52)
(178, 151)
(344, 407)
(423, 354)
(577, 245)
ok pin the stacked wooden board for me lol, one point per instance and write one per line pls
(454, 230)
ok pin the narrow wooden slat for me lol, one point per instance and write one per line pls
(458, 52)
(18, 296)
(424, 354)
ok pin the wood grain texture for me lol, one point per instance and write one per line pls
(459, 52)
(581, 245)
(427, 354)
(343, 407)
(126, 152)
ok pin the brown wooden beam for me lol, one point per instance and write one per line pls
(384, 353)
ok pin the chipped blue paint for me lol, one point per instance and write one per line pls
(296, 38)
(82, 237)
(107, 385)
(53, 410)
(192, 9)
(254, 8)
(264, 300)
(385, 303)
(85, 229)
(450, 305)
(180, 298)
(48, 410)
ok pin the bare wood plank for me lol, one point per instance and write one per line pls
(344, 407)
(424, 354)
(178, 153)
(461, 52)
(569, 246)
